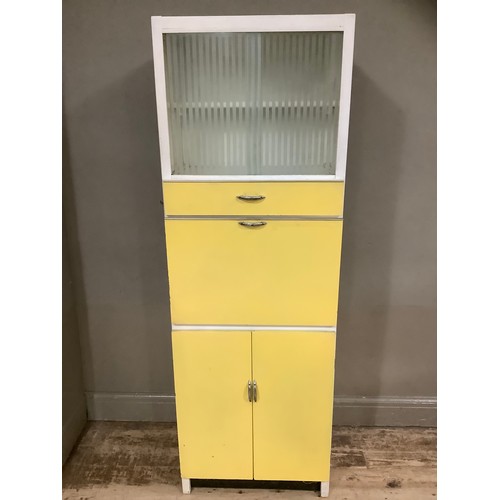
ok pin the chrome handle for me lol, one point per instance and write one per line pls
(251, 197)
(255, 391)
(252, 224)
(250, 393)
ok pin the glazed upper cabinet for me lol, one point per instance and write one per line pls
(253, 115)
(246, 96)
(229, 109)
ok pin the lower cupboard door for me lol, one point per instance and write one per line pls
(292, 415)
(214, 414)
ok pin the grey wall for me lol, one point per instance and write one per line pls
(386, 357)
(74, 411)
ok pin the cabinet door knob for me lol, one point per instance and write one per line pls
(250, 391)
(251, 197)
(255, 391)
(252, 224)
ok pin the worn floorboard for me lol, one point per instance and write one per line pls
(140, 461)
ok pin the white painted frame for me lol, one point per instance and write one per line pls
(255, 24)
(253, 328)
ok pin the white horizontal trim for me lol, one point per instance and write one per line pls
(207, 24)
(252, 178)
(257, 217)
(255, 328)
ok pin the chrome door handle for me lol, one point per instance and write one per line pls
(252, 224)
(251, 197)
(255, 391)
(250, 391)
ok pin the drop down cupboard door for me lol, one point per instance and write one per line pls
(253, 118)
(268, 272)
(254, 405)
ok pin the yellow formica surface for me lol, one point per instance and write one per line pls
(292, 417)
(282, 431)
(285, 272)
(280, 198)
(214, 416)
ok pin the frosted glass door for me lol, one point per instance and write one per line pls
(253, 103)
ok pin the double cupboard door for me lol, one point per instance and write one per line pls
(254, 404)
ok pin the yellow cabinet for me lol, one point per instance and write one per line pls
(254, 272)
(254, 404)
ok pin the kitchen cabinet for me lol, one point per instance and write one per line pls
(253, 118)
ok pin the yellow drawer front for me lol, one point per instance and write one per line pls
(214, 416)
(281, 198)
(282, 273)
(292, 416)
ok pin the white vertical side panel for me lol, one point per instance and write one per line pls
(161, 96)
(345, 96)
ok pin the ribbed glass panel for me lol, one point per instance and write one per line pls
(253, 103)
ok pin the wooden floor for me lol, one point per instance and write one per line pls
(140, 461)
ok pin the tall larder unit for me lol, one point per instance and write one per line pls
(253, 116)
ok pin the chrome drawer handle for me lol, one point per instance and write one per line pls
(252, 224)
(251, 197)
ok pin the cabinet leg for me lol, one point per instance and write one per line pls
(325, 489)
(186, 486)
